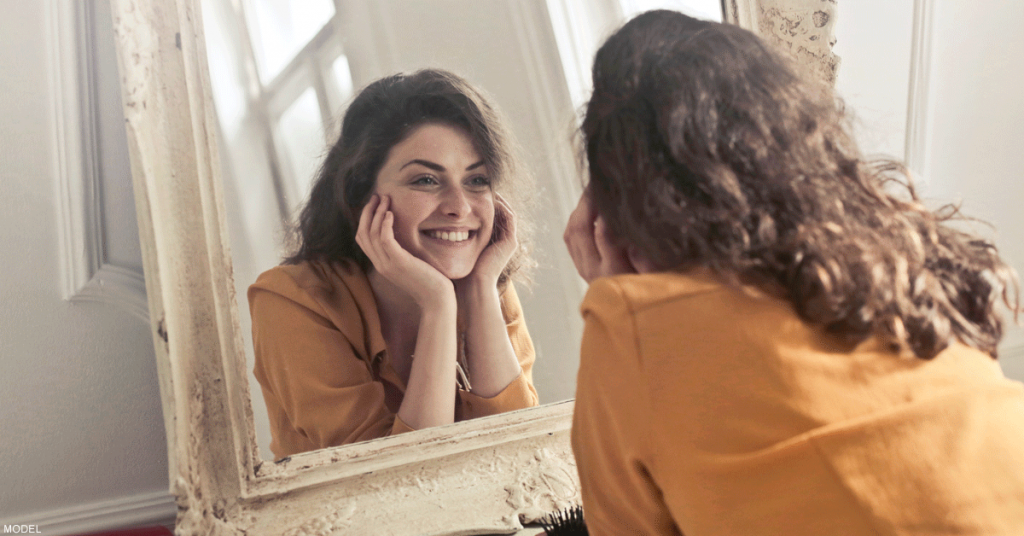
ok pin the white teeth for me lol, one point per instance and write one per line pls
(453, 236)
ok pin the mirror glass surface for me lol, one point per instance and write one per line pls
(282, 72)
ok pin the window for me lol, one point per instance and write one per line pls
(280, 77)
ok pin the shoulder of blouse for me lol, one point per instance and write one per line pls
(320, 281)
(340, 292)
(637, 292)
(311, 276)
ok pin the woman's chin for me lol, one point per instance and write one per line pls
(455, 275)
(454, 271)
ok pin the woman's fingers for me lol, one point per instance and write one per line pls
(376, 237)
(510, 220)
(614, 259)
(504, 223)
(371, 223)
(365, 218)
(389, 246)
(579, 239)
(365, 222)
(501, 246)
(592, 246)
(378, 217)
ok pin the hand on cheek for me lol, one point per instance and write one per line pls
(501, 247)
(376, 237)
(579, 239)
(613, 259)
(592, 247)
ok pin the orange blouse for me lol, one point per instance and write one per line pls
(704, 409)
(322, 362)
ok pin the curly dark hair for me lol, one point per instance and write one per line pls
(384, 114)
(707, 147)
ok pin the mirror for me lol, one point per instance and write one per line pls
(283, 71)
(274, 136)
(484, 476)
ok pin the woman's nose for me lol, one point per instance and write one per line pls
(455, 203)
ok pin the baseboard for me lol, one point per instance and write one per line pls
(143, 509)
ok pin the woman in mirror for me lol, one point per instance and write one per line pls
(779, 337)
(396, 310)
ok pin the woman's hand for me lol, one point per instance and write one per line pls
(492, 361)
(376, 236)
(499, 250)
(591, 247)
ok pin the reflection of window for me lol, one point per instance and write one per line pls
(299, 137)
(280, 78)
(279, 29)
(702, 9)
(581, 25)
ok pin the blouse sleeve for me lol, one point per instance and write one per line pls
(319, 392)
(520, 393)
(610, 425)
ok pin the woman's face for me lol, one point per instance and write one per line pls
(441, 197)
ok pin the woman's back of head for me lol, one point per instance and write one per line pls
(707, 147)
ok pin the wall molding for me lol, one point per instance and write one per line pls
(143, 509)
(117, 286)
(916, 142)
(77, 165)
(86, 273)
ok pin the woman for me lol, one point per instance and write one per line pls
(401, 281)
(786, 343)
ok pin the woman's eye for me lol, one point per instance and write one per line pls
(480, 181)
(426, 180)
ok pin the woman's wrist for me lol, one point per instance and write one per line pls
(439, 299)
(477, 290)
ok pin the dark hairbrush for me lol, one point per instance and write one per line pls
(568, 522)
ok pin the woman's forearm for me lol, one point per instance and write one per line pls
(430, 394)
(493, 364)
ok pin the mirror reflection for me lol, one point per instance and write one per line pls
(397, 311)
(283, 74)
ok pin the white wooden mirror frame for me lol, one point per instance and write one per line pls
(484, 476)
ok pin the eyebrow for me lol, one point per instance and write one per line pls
(436, 167)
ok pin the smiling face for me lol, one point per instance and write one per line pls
(441, 197)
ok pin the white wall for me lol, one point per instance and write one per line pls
(970, 113)
(975, 119)
(82, 443)
(873, 40)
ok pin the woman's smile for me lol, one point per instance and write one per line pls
(450, 236)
